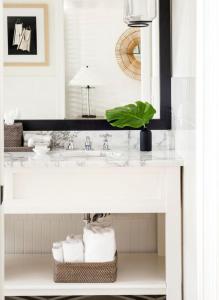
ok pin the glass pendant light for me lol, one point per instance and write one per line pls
(139, 13)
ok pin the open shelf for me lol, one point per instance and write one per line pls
(32, 275)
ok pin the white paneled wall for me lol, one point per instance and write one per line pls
(27, 234)
(183, 104)
(184, 119)
(183, 38)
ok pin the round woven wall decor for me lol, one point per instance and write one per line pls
(128, 53)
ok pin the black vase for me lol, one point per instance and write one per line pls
(145, 140)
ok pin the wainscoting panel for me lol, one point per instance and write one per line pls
(34, 234)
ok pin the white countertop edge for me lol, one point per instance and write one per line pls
(124, 158)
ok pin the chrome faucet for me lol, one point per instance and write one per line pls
(70, 145)
(88, 143)
(106, 141)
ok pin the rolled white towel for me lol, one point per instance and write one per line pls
(57, 252)
(99, 243)
(73, 250)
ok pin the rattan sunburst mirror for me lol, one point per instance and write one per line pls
(128, 53)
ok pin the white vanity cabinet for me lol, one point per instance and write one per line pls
(152, 186)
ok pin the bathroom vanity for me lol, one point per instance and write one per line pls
(64, 185)
(128, 182)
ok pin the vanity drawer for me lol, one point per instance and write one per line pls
(78, 190)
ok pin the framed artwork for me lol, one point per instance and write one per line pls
(26, 35)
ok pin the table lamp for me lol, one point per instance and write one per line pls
(87, 80)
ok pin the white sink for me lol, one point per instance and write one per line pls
(80, 153)
(85, 154)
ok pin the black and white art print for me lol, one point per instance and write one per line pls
(25, 34)
(22, 35)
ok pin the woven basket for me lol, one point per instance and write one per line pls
(18, 149)
(13, 135)
(85, 272)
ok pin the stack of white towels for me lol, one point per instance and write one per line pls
(98, 244)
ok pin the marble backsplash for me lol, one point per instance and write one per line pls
(162, 139)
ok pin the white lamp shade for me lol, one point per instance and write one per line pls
(85, 77)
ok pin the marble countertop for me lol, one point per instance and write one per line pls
(67, 158)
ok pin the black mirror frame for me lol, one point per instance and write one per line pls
(164, 123)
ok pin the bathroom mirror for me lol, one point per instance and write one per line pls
(120, 65)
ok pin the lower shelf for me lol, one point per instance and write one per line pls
(32, 275)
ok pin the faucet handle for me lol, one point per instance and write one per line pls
(88, 143)
(69, 145)
(70, 140)
(87, 139)
(106, 141)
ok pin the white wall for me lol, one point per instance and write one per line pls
(28, 234)
(38, 92)
(184, 122)
(208, 148)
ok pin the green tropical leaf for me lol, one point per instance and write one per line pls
(132, 115)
